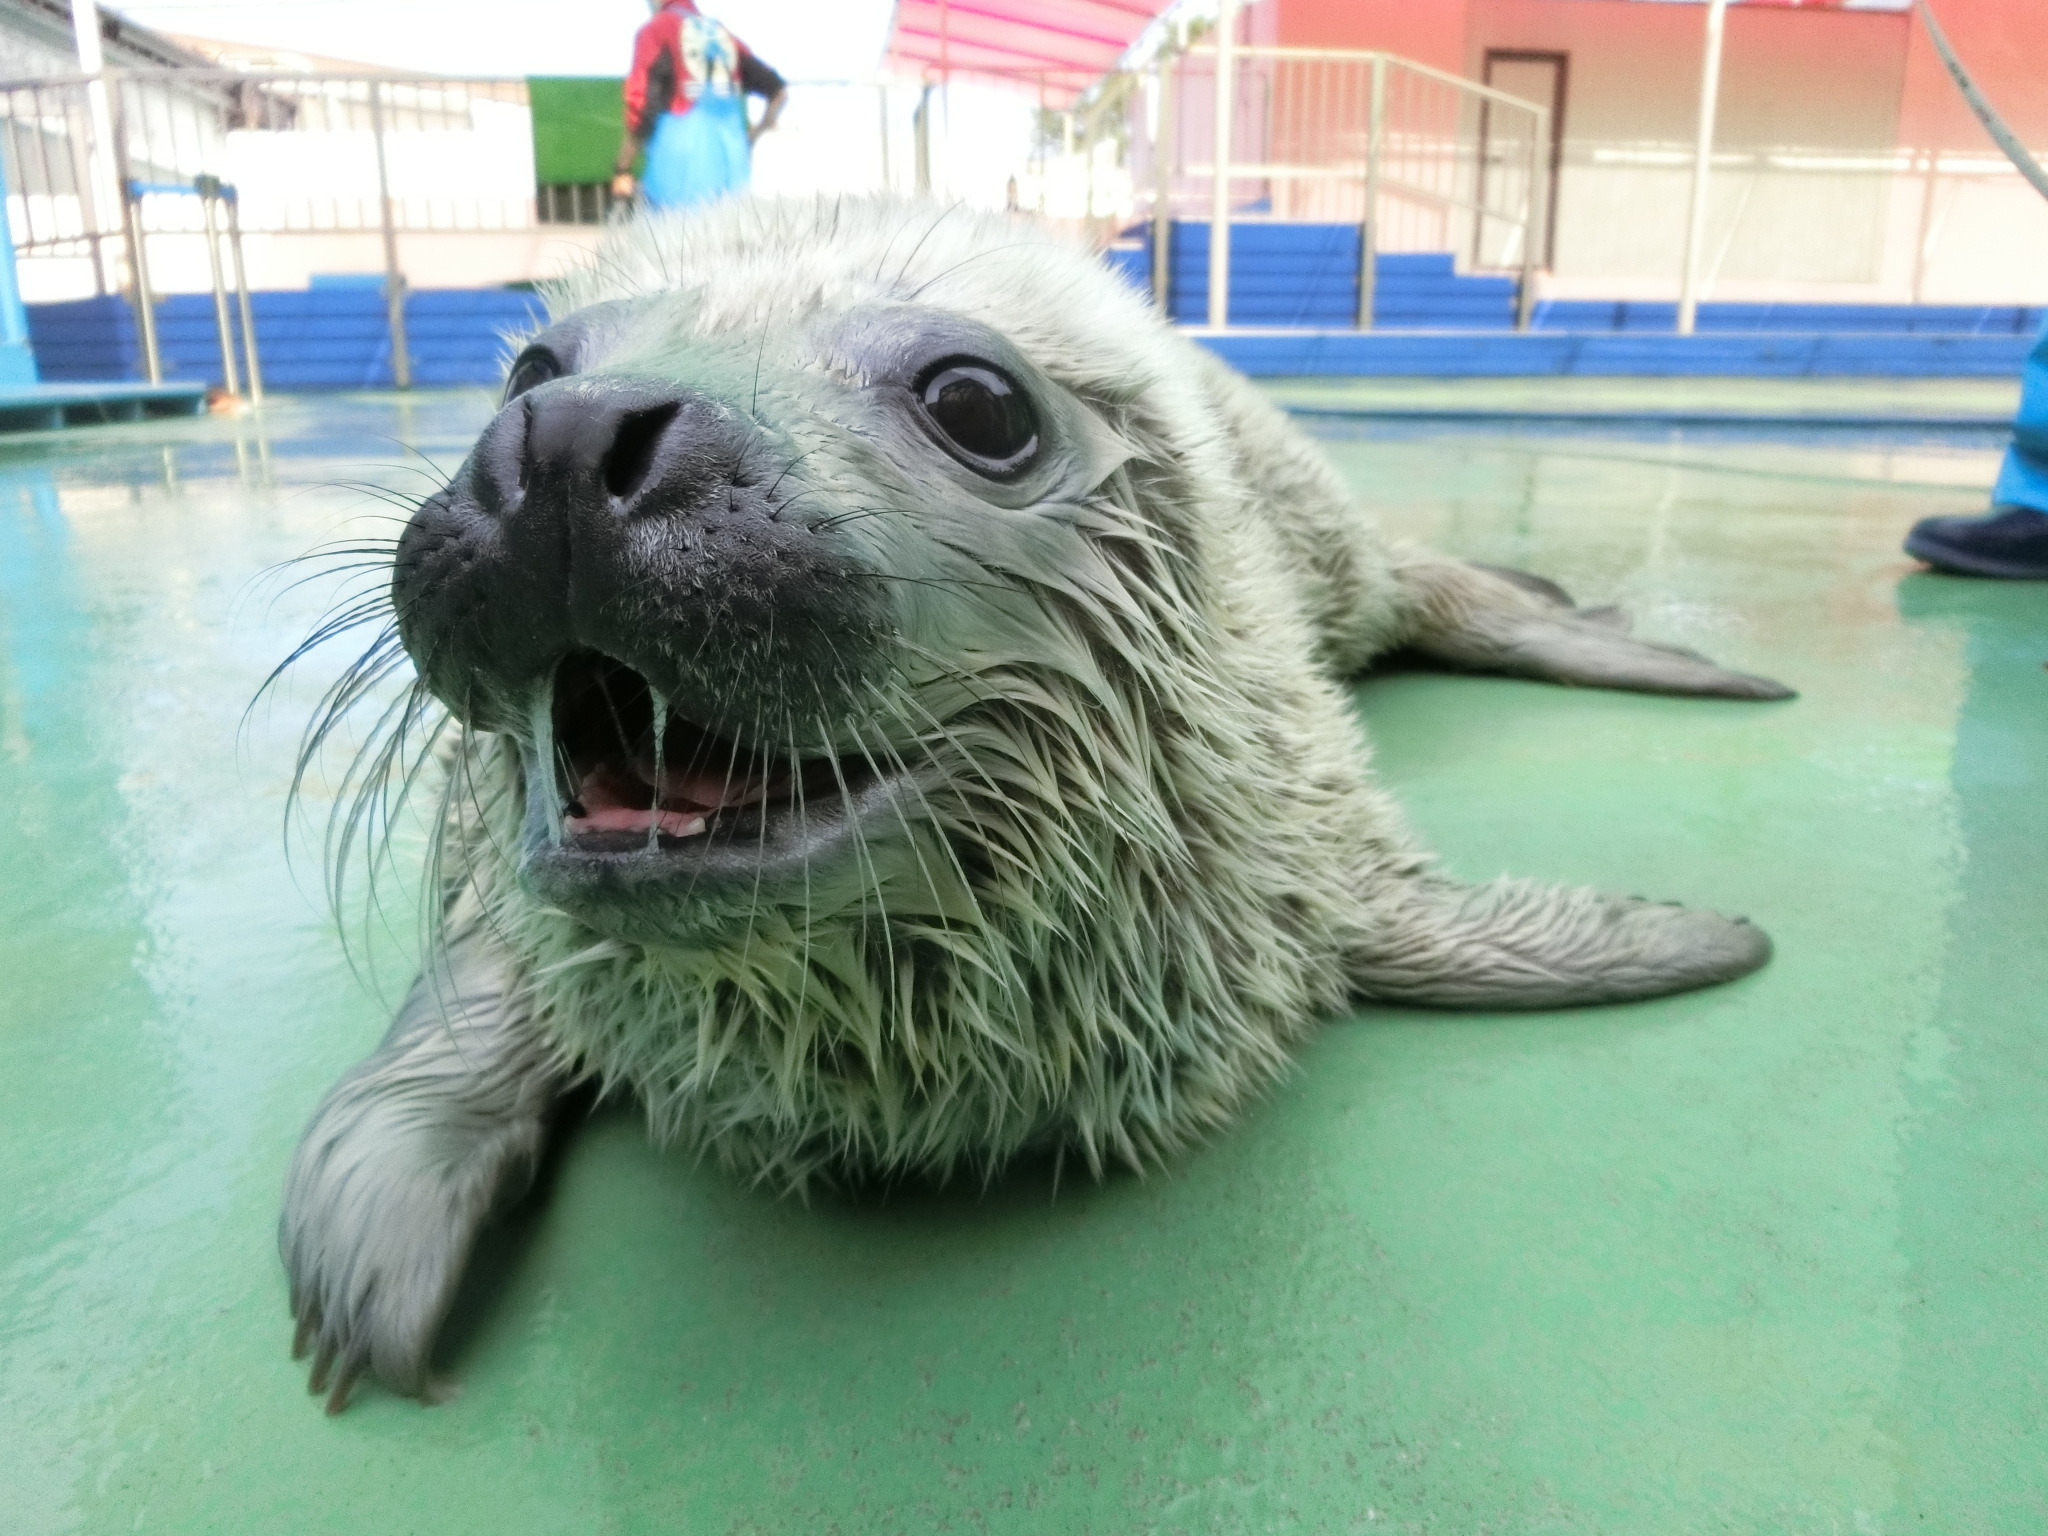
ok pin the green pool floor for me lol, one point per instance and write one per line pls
(1772, 1258)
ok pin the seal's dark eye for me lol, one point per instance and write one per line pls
(982, 412)
(536, 365)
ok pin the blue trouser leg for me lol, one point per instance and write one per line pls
(700, 155)
(2023, 478)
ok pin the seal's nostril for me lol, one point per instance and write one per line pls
(525, 459)
(632, 451)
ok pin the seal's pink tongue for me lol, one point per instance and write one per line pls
(700, 789)
(603, 804)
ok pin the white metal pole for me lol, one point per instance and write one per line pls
(242, 298)
(1219, 201)
(101, 163)
(1369, 226)
(1168, 130)
(208, 199)
(1535, 221)
(1703, 152)
(394, 278)
(882, 102)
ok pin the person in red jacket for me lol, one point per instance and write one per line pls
(686, 108)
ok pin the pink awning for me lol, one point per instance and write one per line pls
(1064, 45)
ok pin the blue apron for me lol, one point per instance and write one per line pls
(2023, 478)
(699, 155)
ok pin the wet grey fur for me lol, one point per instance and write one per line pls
(1206, 870)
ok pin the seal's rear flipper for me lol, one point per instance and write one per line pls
(1521, 944)
(1493, 620)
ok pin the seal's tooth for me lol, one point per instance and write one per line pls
(626, 818)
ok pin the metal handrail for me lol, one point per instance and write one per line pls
(1366, 56)
(170, 127)
(1366, 165)
(258, 76)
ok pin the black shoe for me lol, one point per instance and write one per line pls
(2007, 541)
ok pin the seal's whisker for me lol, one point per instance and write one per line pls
(761, 351)
(776, 484)
(905, 1015)
(472, 749)
(466, 758)
(349, 610)
(903, 820)
(918, 292)
(389, 807)
(380, 549)
(408, 502)
(371, 807)
(952, 671)
(433, 470)
(945, 214)
(362, 677)
(657, 703)
(376, 785)
(872, 885)
(943, 826)
(796, 779)
(943, 583)
(904, 775)
(946, 734)
(372, 580)
(760, 862)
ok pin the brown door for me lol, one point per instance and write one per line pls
(1504, 148)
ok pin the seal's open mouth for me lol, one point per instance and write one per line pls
(624, 787)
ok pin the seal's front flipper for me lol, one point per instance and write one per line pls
(1492, 620)
(405, 1160)
(1522, 944)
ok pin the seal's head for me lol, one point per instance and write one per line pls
(831, 583)
(732, 549)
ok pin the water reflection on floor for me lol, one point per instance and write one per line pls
(1766, 1258)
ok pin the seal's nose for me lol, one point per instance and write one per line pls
(640, 520)
(616, 447)
(587, 434)
(614, 440)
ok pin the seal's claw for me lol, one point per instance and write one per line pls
(316, 1381)
(350, 1370)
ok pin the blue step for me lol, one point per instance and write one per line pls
(1892, 319)
(1284, 275)
(333, 336)
(1538, 354)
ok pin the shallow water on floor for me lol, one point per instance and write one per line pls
(1766, 1258)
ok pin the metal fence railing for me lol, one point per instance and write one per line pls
(99, 169)
(1418, 159)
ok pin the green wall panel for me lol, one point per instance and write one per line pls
(577, 123)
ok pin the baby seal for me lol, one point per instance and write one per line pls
(894, 720)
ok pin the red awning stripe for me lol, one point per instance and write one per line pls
(1082, 38)
(1066, 80)
(1043, 47)
(1101, 24)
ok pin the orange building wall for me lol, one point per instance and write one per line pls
(1814, 200)
(1428, 31)
(2004, 45)
(1635, 65)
